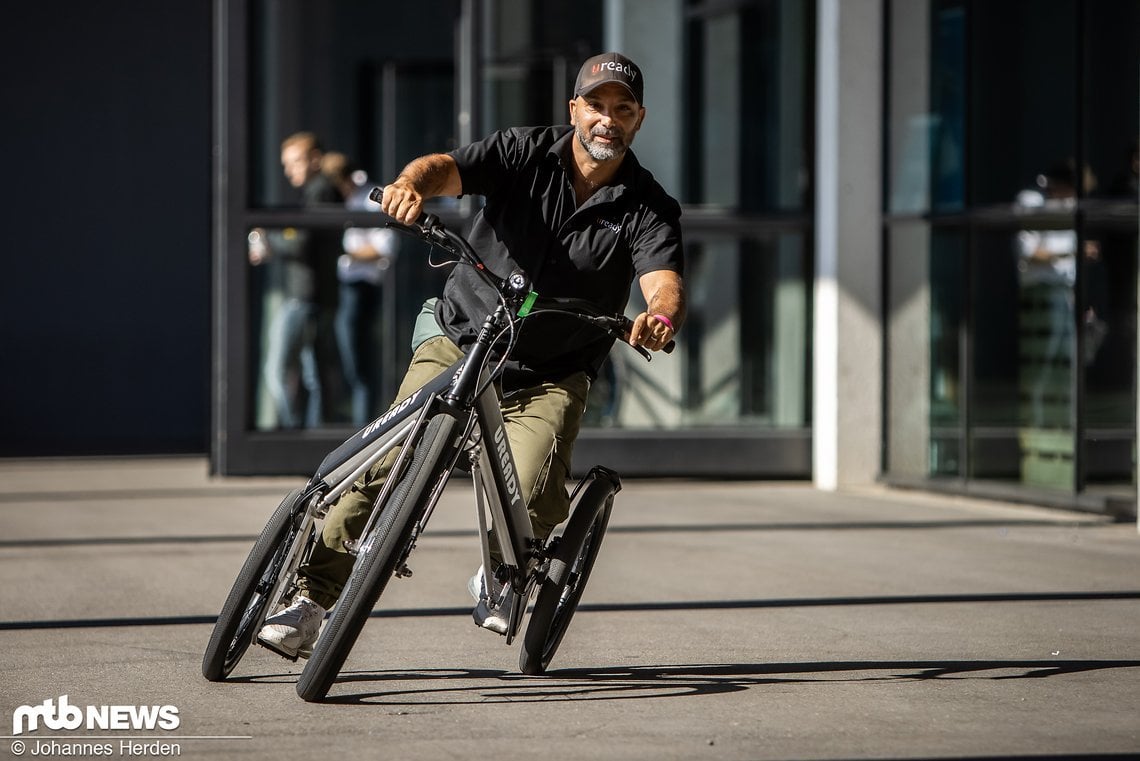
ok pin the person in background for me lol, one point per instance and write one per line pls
(1047, 274)
(300, 255)
(369, 254)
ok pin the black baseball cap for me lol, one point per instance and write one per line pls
(610, 67)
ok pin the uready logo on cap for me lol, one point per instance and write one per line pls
(610, 67)
(624, 68)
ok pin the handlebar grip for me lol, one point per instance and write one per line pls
(628, 329)
(425, 222)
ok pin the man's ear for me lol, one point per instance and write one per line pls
(573, 106)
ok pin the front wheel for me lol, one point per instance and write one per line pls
(387, 545)
(286, 537)
(567, 575)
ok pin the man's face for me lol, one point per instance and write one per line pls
(300, 162)
(606, 121)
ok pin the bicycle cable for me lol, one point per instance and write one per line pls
(440, 265)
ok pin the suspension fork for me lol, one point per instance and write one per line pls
(470, 377)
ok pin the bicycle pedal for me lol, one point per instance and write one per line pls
(280, 652)
(404, 572)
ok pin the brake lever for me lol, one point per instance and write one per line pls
(621, 329)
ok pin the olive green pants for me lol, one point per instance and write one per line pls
(541, 422)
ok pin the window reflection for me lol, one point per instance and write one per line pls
(335, 361)
(294, 307)
(947, 298)
(928, 107)
(753, 79)
(1025, 95)
(1032, 298)
(330, 306)
(742, 358)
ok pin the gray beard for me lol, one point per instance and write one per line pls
(601, 152)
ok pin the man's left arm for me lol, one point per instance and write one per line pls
(664, 293)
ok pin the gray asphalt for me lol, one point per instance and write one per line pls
(724, 621)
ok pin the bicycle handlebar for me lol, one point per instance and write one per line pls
(515, 288)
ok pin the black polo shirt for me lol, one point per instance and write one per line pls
(531, 220)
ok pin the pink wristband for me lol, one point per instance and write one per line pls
(665, 320)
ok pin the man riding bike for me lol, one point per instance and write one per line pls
(572, 207)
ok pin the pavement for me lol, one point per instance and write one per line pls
(725, 620)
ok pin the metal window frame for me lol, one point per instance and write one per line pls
(237, 449)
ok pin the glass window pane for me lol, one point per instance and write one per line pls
(1109, 276)
(337, 358)
(742, 358)
(948, 107)
(292, 303)
(1023, 360)
(1022, 100)
(1052, 303)
(320, 67)
(947, 313)
(752, 91)
(1108, 351)
(928, 96)
(720, 158)
(1112, 81)
(995, 363)
(529, 58)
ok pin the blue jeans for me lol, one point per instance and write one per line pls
(355, 317)
(291, 345)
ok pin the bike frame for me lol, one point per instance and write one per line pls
(466, 392)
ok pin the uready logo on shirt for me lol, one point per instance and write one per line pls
(613, 226)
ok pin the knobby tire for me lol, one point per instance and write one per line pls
(374, 568)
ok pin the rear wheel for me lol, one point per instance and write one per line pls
(285, 540)
(566, 576)
(387, 546)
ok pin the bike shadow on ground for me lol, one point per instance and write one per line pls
(638, 682)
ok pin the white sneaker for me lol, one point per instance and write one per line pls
(293, 631)
(494, 606)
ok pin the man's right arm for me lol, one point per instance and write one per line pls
(426, 177)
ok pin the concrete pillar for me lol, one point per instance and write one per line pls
(848, 355)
